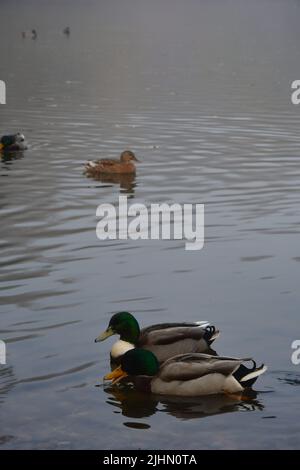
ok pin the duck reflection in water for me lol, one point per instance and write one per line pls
(10, 156)
(136, 404)
(125, 181)
(131, 402)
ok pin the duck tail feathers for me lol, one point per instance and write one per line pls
(248, 376)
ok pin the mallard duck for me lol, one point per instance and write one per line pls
(186, 374)
(165, 340)
(105, 166)
(13, 142)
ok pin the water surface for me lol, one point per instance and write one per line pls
(201, 93)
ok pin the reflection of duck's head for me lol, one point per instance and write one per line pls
(13, 143)
(134, 404)
(190, 375)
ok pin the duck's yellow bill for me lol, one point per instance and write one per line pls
(116, 375)
(1, 147)
(106, 334)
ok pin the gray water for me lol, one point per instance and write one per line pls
(200, 91)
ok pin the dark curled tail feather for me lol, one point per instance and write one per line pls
(248, 376)
(211, 333)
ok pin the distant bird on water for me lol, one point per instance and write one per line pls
(32, 34)
(13, 143)
(126, 165)
(67, 31)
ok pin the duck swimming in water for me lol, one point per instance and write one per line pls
(188, 375)
(13, 143)
(125, 165)
(165, 340)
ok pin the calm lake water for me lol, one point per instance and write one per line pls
(200, 91)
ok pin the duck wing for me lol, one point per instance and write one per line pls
(166, 340)
(107, 162)
(100, 165)
(192, 366)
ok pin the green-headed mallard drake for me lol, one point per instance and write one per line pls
(13, 143)
(186, 374)
(108, 166)
(165, 340)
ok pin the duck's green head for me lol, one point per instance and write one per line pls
(135, 362)
(123, 324)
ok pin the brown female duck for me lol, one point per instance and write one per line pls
(110, 166)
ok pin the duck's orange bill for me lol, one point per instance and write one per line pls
(1, 147)
(116, 375)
